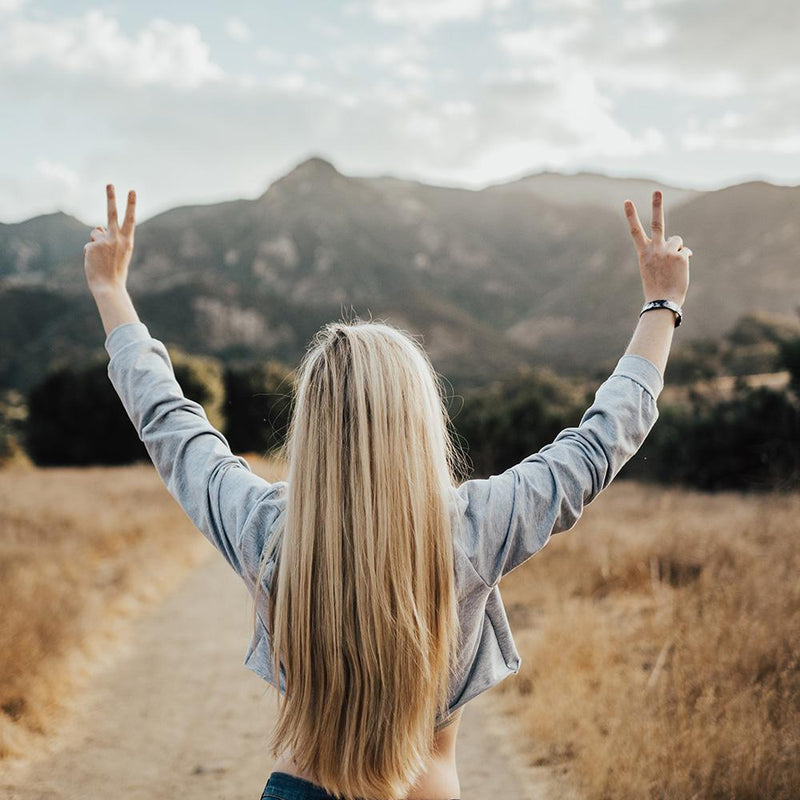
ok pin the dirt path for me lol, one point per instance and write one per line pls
(175, 714)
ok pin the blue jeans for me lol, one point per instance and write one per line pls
(282, 786)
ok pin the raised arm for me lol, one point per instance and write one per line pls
(511, 516)
(216, 489)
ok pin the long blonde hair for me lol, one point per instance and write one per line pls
(362, 607)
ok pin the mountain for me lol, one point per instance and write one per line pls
(540, 270)
(747, 244)
(32, 250)
(588, 188)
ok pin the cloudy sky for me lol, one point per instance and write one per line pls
(196, 102)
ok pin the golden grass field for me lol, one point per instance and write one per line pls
(81, 551)
(660, 639)
(660, 642)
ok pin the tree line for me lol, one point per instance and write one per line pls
(74, 416)
(747, 437)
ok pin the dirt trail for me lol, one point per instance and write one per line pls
(175, 714)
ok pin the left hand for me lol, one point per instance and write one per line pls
(107, 255)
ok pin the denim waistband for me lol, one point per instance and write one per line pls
(283, 786)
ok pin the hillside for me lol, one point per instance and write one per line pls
(538, 270)
(591, 189)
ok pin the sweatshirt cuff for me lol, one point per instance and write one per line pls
(641, 370)
(125, 334)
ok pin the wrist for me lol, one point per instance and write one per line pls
(107, 289)
(649, 297)
(652, 337)
(115, 305)
(659, 316)
(663, 304)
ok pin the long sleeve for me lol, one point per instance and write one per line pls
(511, 516)
(217, 490)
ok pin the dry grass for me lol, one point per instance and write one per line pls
(660, 640)
(81, 550)
(661, 647)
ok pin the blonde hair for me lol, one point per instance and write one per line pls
(362, 607)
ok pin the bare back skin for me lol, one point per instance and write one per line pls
(440, 782)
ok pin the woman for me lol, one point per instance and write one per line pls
(374, 574)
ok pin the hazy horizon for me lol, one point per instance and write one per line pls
(215, 200)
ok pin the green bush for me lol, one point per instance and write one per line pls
(747, 442)
(75, 416)
(12, 420)
(258, 403)
(790, 360)
(752, 346)
(502, 424)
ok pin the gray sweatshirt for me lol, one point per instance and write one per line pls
(498, 523)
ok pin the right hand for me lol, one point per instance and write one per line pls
(107, 256)
(664, 265)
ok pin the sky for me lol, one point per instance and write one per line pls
(191, 102)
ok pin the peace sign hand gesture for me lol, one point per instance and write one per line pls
(107, 255)
(663, 264)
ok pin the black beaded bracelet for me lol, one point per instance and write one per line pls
(674, 307)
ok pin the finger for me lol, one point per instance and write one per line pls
(686, 251)
(96, 234)
(112, 207)
(130, 213)
(674, 243)
(657, 221)
(635, 224)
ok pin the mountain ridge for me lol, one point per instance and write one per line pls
(510, 183)
(493, 279)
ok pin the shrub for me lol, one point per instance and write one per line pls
(510, 420)
(258, 403)
(12, 420)
(748, 441)
(75, 416)
(790, 359)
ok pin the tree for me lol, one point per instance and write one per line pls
(790, 359)
(510, 420)
(75, 416)
(258, 403)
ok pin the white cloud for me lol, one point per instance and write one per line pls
(270, 56)
(429, 13)
(554, 104)
(289, 82)
(763, 130)
(711, 139)
(305, 61)
(458, 108)
(408, 70)
(162, 52)
(237, 30)
(7, 6)
(676, 46)
(403, 59)
(562, 114)
(542, 42)
(56, 172)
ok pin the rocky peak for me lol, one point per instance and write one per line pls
(307, 176)
(315, 167)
